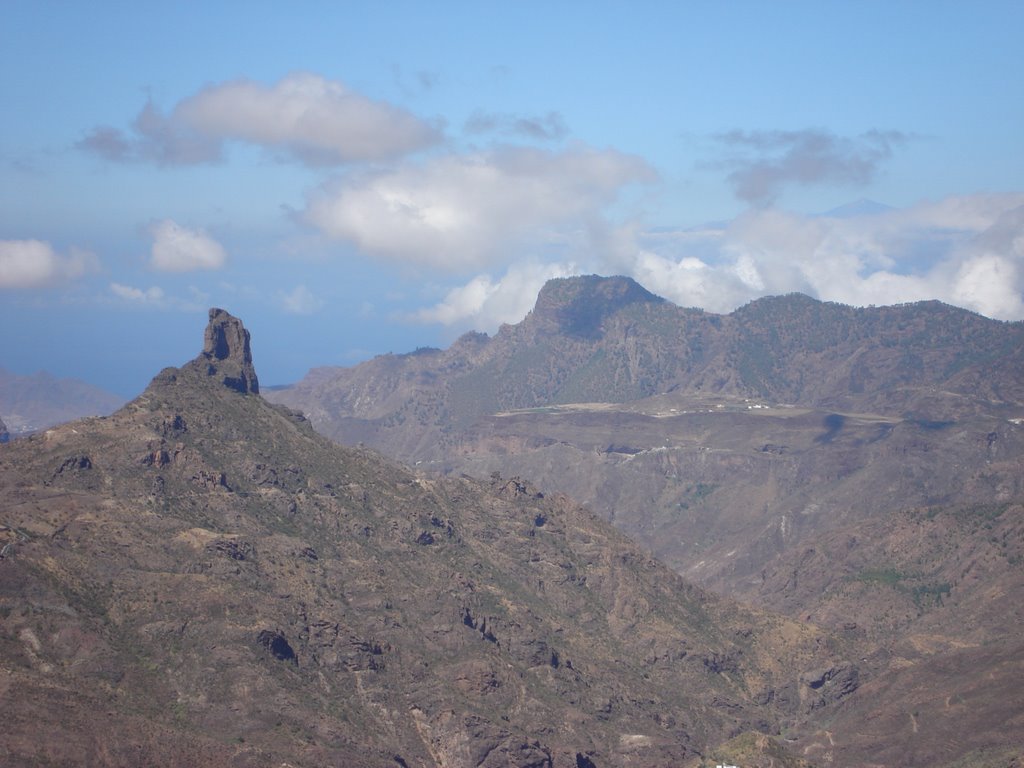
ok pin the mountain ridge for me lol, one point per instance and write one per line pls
(858, 467)
(200, 578)
(791, 349)
(788, 401)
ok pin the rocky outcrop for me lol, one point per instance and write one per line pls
(4, 434)
(829, 684)
(578, 306)
(278, 645)
(226, 353)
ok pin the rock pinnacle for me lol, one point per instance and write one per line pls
(226, 352)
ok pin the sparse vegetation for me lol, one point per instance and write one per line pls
(403, 613)
(889, 577)
(287, 580)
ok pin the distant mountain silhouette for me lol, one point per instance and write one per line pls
(861, 207)
(30, 403)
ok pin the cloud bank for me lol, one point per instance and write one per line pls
(26, 264)
(486, 303)
(461, 212)
(504, 219)
(967, 251)
(303, 116)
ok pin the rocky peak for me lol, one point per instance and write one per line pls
(226, 353)
(578, 305)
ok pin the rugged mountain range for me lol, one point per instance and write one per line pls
(608, 340)
(201, 579)
(718, 442)
(31, 403)
(859, 468)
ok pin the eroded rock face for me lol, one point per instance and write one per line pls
(278, 645)
(227, 354)
(4, 434)
(829, 684)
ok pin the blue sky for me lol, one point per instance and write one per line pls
(358, 178)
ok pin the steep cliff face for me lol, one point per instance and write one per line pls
(226, 353)
(580, 306)
(201, 579)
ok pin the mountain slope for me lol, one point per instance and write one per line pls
(202, 579)
(860, 468)
(718, 442)
(938, 590)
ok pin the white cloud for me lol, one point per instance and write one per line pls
(177, 249)
(690, 282)
(321, 121)
(968, 214)
(990, 284)
(300, 301)
(967, 251)
(461, 303)
(460, 212)
(484, 304)
(154, 295)
(154, 138)
(35, 264)
(318, 121)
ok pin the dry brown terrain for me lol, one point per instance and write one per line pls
(201, 579)
(862, 469)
